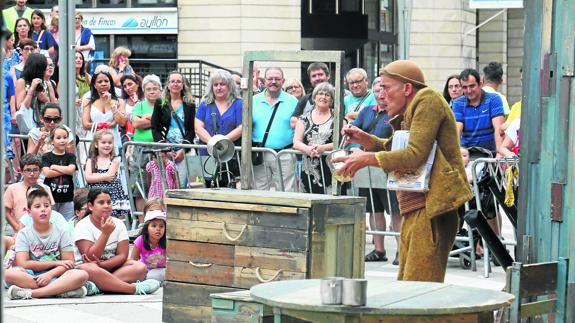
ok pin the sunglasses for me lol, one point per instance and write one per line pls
(52, 120)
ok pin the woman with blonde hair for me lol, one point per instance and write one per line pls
(222, 109)
(120, 65)
(295, 88)
(173, 118)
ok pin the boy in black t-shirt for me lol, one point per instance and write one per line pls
(59, 167)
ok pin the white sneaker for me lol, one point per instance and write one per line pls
(76, 293)
(15, 292)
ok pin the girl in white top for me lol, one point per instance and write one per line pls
(103, 243)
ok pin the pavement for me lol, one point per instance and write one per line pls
(148, 308)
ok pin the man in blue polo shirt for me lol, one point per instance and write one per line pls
(280, 135)
(479, 114)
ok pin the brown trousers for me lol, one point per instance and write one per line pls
(425, 244)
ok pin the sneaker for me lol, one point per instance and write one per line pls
(91, 288)
(75, 293)
(15, 292)
(146, 287)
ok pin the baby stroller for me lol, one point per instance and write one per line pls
(464, 241)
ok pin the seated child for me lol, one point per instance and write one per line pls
(102, 240)
(44, 264)
(150, 246)
(15, 194)
(80, 205)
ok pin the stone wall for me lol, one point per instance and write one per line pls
(438, 42)
(221, 31)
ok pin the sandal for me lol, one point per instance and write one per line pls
(396, 260)
(376, 256)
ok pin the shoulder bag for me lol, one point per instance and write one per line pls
(258, 156)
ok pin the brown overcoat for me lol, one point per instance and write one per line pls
(428, 117)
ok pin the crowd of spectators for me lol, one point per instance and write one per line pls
(115, 104)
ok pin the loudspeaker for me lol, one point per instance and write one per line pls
(221, 148)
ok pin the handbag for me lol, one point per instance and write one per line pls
(25, 119)
(258, 156)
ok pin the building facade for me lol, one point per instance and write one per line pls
(443, 36)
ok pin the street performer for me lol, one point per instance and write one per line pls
(430, 219)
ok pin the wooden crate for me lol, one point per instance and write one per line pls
(236, 239)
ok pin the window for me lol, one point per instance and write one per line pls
(153, 3)
(350, 5)
(386, 15)
(111, 3)
(370, 60)
(149, 46)
(323, 6)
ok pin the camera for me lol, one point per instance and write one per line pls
(40, 87)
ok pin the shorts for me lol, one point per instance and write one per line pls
(380, 202)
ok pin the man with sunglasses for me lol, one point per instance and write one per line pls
(40, 142)
(15, 195)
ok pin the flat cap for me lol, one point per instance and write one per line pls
(404, 71)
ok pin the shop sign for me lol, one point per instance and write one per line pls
(495, 4)
(131, 21)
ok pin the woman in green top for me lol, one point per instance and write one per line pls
(142, 111)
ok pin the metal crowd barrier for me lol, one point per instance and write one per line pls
(495, 168)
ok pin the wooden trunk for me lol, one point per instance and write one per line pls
(226, 240)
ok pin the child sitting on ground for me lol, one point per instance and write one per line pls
(102, 240)
(150, 246)
(80, 205)
(44, 264)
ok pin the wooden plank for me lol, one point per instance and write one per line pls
(343, 250)
(288, 199)
(239, 307)
(269, 258)
(460, 318)
(213, 275)
(539, 278)
(254, 236)
(276, 220)
(359, 243)
(192, 314)
(182, 294)
(231, 205)
(316, 258)
(179, 212)
(246, 277)
(199, 252)
(538, 308)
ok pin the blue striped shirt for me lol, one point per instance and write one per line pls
(477, 125)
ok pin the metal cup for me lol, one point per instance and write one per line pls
(354, 292)
(331, 290)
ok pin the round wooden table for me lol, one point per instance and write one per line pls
(394, 301)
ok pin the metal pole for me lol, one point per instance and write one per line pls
(67, 66)
(2, 160)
